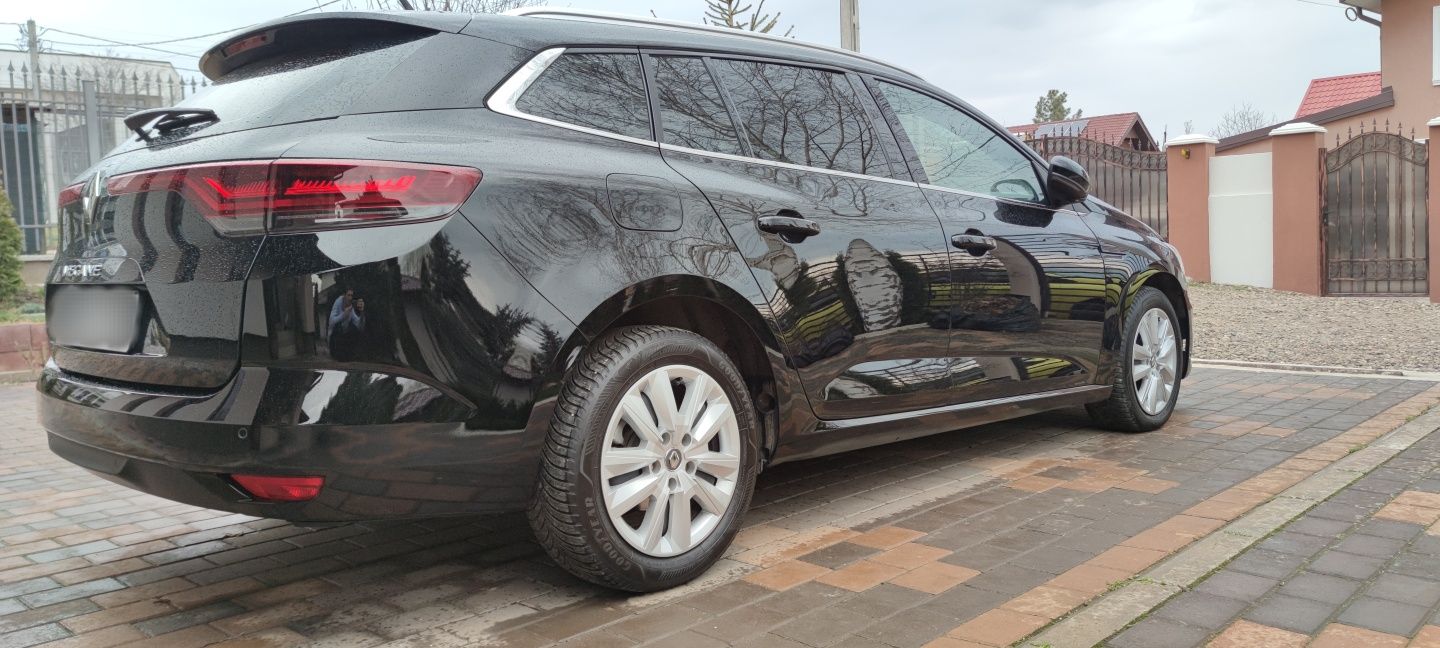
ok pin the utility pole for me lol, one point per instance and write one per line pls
(850, 25)
(32, 35)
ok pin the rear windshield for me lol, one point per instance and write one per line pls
(303, 86)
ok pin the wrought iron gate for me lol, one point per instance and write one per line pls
(1375, 216)
(57, 121)
(1132, 180)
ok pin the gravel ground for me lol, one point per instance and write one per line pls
(1258, 325)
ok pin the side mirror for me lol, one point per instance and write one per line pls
(1067, 182)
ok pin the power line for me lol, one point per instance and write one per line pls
(149, 45)
(234, 29)
(115, 42)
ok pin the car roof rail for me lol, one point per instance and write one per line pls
(658, 23)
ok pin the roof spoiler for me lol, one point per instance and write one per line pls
(266, 39)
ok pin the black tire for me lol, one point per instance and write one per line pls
(568, 512)
(1122, 410)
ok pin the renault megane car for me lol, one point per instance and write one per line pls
(601, 269)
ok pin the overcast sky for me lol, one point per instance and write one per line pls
(1169, 60)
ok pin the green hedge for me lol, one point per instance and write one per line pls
(12, 285)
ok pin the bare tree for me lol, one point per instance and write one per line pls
(737, 14)
(457, 6)
(1242, 119)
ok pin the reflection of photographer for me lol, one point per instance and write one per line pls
(347, 326)
(341, 311)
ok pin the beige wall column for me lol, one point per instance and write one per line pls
(1297, 175)
(1187, 176)
(1432, 207)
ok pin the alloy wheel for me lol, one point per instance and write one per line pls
(670, 460)
(1154, 361)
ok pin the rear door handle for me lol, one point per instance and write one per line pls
(974, 243)
(789, 225)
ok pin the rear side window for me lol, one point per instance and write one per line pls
(803, 116)
(600, 91)
(692, 114)
(957, 151)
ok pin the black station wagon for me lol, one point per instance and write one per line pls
(601, 269)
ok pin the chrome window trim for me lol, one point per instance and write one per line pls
(785, 165)
(677, 26)
(505, 97)
(1011, 201)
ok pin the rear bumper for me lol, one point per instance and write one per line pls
(376, 464)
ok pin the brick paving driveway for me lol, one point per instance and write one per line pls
(979, 537)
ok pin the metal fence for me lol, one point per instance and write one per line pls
(55, 122)
(1131, 180)
(1374, 215)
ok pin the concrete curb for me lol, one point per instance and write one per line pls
(1113, 612)
(18, 377)
(1404, 374)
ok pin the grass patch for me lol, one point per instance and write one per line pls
(29, 308)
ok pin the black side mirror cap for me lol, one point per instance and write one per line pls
(1067, 182)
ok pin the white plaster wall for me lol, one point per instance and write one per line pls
(1242, 222)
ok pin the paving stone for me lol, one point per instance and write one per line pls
(1291, 613)
(179, 621)
(1270, 564)
(1384, 616)
(1202, 610)
(1370, 545)
(1320, 587)
(1158, 632)
(1235, 585)
(1346, 564)
(839, 555)
(1405, 589)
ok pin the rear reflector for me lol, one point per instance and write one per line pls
(309, 195)
(280, 488)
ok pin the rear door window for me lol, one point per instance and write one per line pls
(803, 116)
(605, 92)
(692, 112)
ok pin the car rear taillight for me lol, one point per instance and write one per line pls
(280, 488)
(71, 195)
(287, 196)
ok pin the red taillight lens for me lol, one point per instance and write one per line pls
(309, 195)
(280, 488)
(71, 194)
(319, 195)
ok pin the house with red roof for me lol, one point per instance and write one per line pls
(1405, 92)
(1126, 130)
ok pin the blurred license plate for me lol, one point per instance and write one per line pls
(103, 318)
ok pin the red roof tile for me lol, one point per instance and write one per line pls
(1106, 128)
(1329, 92)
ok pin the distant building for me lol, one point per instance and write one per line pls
(45, 138)
(1126, 130)
(1405, 92)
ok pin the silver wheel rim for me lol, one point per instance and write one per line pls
(1154, 361)
(670, 461)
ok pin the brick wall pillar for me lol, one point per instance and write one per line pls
(1296, 174)
(1433, 211)
(1187, 175)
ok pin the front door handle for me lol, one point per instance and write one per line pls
(789, 226)
(974, 243)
